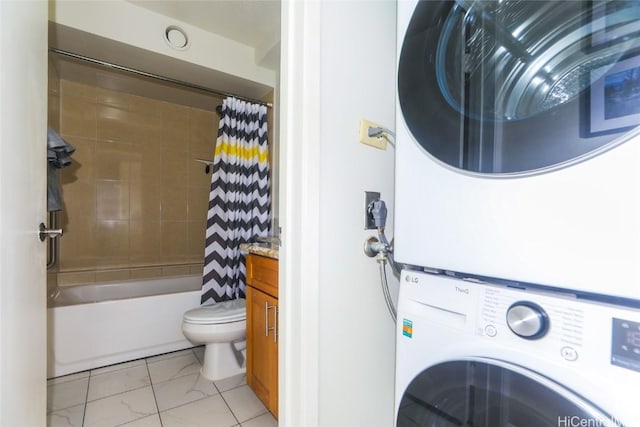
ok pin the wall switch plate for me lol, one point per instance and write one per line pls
(374, 141)
(369, 196)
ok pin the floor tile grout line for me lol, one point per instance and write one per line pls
(219, 392)
(91, 375)
(86, 398)
(186, 403)
(120, 392)
(230, 410)
(153, 390)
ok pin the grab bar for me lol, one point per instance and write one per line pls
(52, 246)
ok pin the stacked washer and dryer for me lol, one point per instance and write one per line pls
(517, 213)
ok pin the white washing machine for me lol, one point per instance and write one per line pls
(518, 151)
(481, 355)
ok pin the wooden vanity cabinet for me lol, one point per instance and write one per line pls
(262, 329)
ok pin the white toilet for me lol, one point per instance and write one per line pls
(221, 327)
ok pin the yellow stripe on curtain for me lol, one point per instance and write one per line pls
(244, 153)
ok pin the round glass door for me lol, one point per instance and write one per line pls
(511, 87)
(482, 394)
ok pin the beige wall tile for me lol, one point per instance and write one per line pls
(69, 88)
(79, 201)
(198, 204)
(146, 241)
(174, 240)
(175, 127)
(203, 129)
(112, 243)
(174, 203)
(76, 278)
(78, 116)
(197, 269)
(112, 275)
(146, 273)
(53, 111)
(77, 244)
(114, 161)
(147, 128)
(196, 238)
(112, 200)
(145, 200)
(147, 105)
(146, 163)
(53, 79)
(174, 167)
(178, 270)
(115, 124)
(112, 238)
(134, 196)
(114, 99)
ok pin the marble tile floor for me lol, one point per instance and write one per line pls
(160, 391)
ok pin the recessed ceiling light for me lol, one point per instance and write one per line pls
(176, 37)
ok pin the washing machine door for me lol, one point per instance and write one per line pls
(514, 87)
(488, 393)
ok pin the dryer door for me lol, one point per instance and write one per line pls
(487, 393)
(510, 87)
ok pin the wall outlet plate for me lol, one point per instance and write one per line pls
(369, 196)
(374, 141)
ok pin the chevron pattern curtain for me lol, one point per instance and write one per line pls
(238, 200)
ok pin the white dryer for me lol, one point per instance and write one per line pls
(482, 355)
(518, 150)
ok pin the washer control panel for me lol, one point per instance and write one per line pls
(555, 325)
(584, 334)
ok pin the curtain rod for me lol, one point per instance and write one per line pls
(155, 76)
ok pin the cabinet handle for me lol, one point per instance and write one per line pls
(275, 323)
(266, 319)
(268, 307)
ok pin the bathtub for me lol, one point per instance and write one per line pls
(100, 324)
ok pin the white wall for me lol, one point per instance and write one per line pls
(132, 25)
(338, 67)
(23, 114)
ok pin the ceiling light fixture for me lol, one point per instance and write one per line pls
(176, 37)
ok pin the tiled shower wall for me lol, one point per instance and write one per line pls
(135, 199)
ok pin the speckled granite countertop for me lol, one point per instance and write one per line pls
(264, 249)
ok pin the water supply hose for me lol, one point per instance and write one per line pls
(382, 250)
(382, 261)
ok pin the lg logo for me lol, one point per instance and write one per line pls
(411, 279)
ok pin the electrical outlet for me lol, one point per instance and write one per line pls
(369, 196)
(374, 141)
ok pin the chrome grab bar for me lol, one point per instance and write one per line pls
(52, 246)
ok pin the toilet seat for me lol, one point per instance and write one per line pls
(219, 313)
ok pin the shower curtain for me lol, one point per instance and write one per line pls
(238, 200)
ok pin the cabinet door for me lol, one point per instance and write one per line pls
(262, 347)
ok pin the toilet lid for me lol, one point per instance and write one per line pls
(222, 312)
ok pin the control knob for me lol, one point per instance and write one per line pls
(527, 320)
